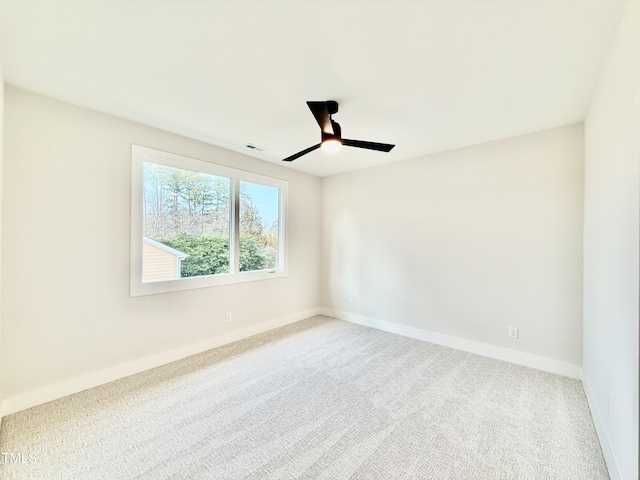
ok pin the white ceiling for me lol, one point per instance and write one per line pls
(427, 75)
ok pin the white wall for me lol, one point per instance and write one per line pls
(465, 243)
(2, 387)
(67, 312)
(612, 193)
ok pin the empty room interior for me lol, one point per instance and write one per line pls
(193, 285)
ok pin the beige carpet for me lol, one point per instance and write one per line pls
(317, 399)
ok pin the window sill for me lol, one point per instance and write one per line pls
(151, 288)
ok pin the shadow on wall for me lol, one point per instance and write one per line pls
(370, 265)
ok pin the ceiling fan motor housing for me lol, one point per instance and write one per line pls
(332, 106)
(337, 133)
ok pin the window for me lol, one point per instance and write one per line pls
(259, 233)
(195, 224)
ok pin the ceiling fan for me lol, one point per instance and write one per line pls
(332, 134)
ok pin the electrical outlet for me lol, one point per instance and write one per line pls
(352, 302)
(229, 317)
(513, 332)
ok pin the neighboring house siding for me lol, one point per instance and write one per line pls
(158, 264)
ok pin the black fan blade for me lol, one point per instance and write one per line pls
(299, 154)
(320, 111)
(383, 147)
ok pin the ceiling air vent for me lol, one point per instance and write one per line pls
(254, 147)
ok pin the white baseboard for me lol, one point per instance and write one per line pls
(601, 430)
(514, 356)
(77, 384)
(48, 393)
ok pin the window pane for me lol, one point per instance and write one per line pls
(259, 218)
(186, 218)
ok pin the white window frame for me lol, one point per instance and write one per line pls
(139, 155)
